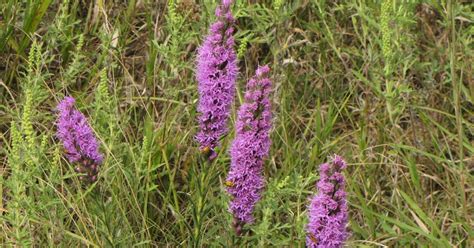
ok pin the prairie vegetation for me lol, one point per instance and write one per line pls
(388, 85)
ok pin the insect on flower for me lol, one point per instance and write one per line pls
(229, 184)
(314, 239)
(206, 150)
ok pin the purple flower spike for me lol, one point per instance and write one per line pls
(249, 149)
(328, 215)
(216, 74)
(78, 139)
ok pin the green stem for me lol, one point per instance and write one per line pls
(456, 95)
(173, 189)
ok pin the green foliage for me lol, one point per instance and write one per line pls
(77, 64)
(397, 92)
(267, 231)
(18, 212)
(27, 125)
(28, 195)
(385, 18)
(277, 4)
(104, 110)
(177, 29)
(242, 47)
(384, 84)
(8, 22)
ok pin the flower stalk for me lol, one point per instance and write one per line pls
(216, 75)
(249, 149)
(328, 211)
(79, 142)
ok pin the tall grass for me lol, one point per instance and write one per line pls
(387, 85)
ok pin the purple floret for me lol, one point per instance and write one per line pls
(79, 141)
(249, 149)
(328, 211)
(216, 75)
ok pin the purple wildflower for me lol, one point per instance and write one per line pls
(216, 74)
(78, 139)
(249, 148)
(328, 209)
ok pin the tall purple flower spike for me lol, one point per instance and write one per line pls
(328, 215)
(216, 75)
(249, 149)
(78, 139)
